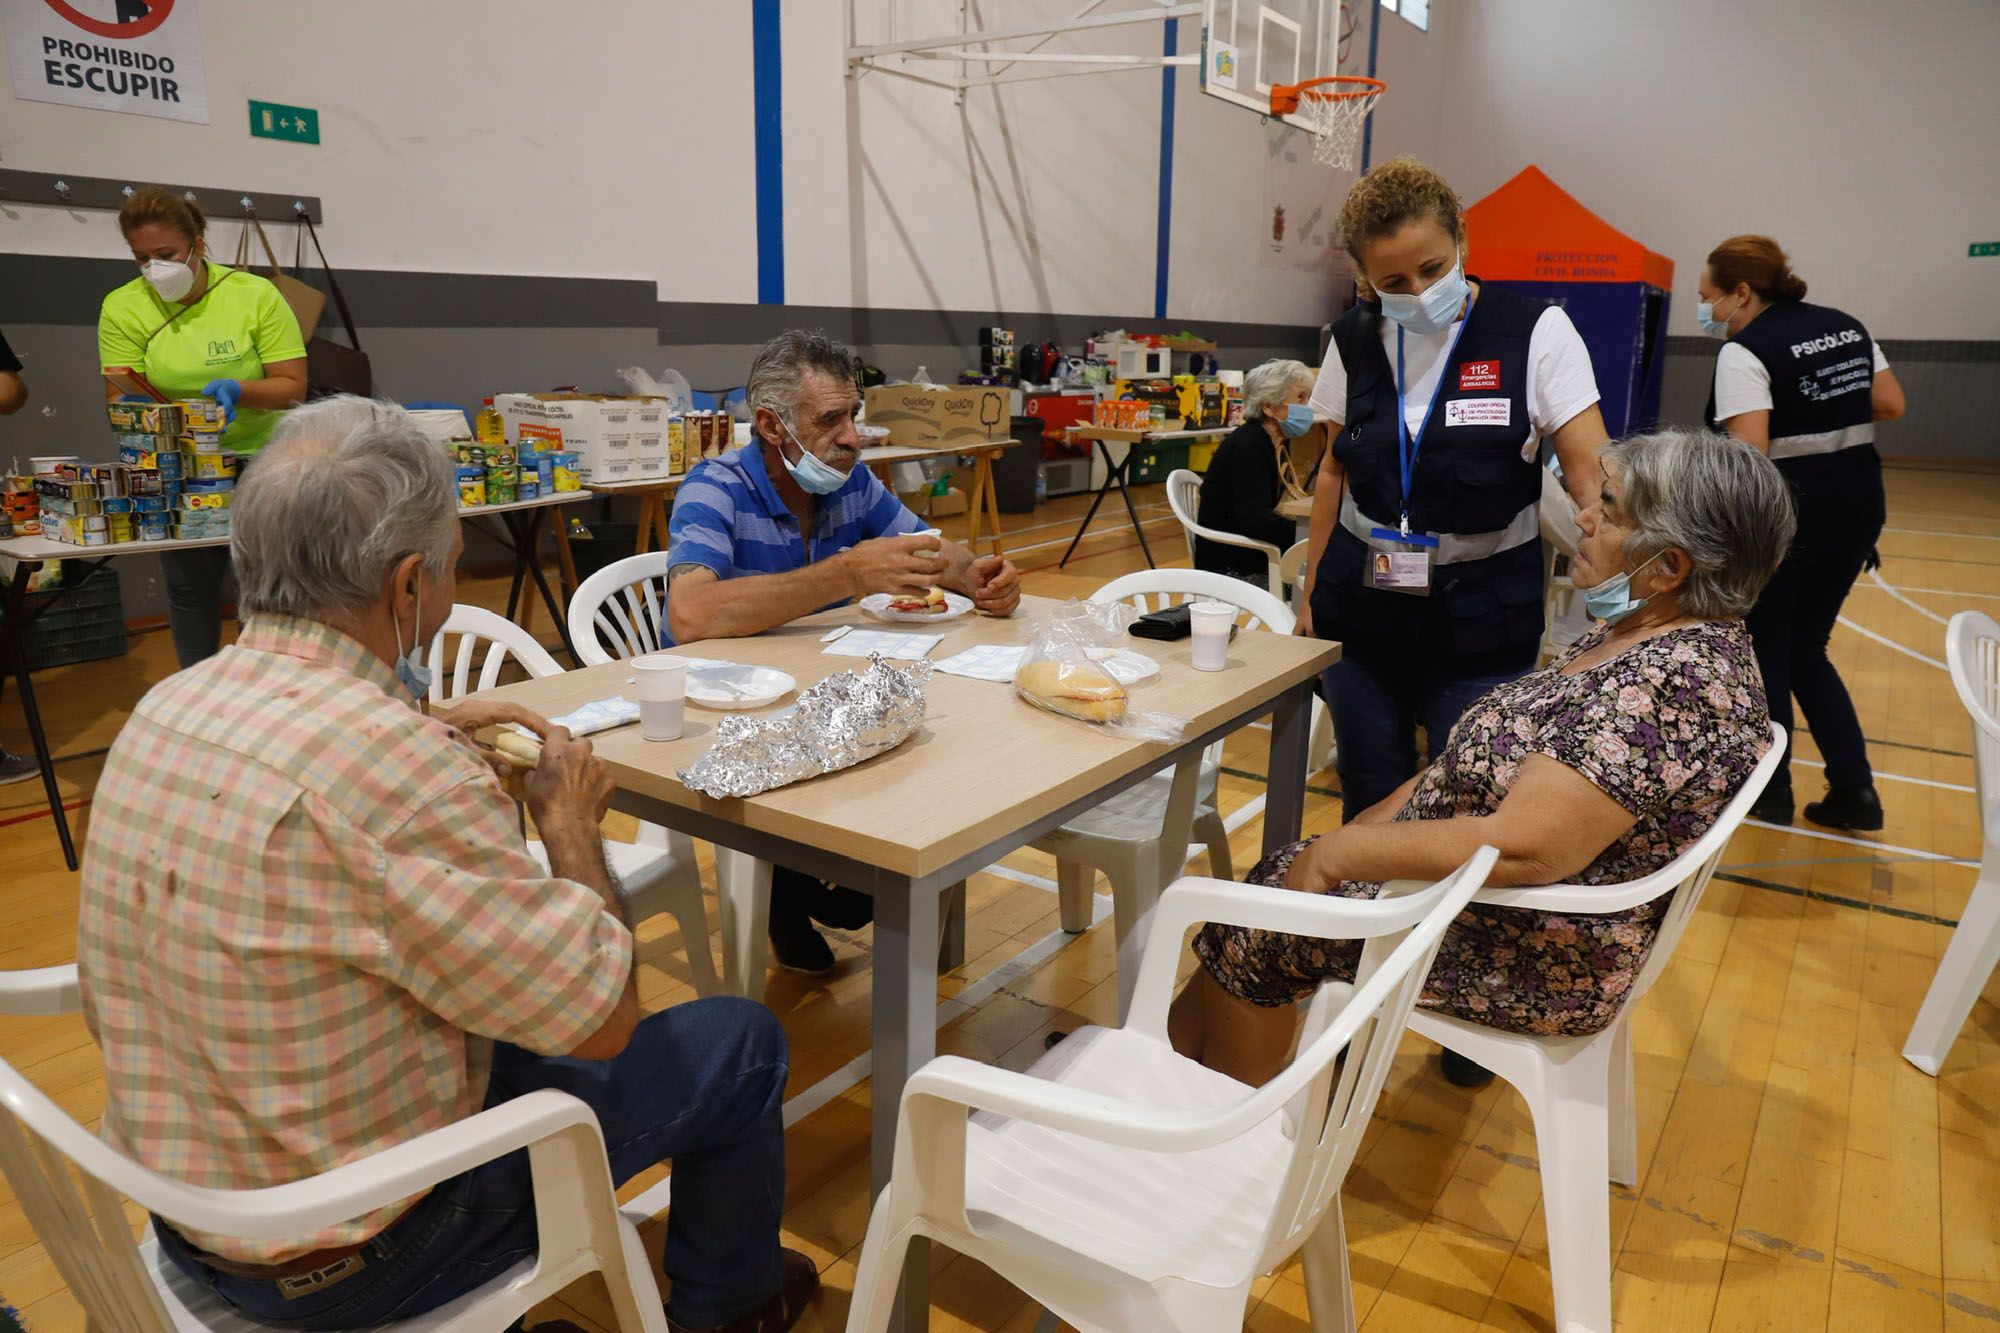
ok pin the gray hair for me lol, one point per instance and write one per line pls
(346, 487)
(1713, 496)
(780, 368)
(1268, 385)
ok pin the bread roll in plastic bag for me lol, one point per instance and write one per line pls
(1060, 675)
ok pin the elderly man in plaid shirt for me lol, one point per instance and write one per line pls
(309, 930)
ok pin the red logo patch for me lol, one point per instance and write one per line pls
(1478, 375)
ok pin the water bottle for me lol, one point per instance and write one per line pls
(1041, 488)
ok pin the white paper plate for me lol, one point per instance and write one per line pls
(877, 604)
(727, 685)
(1126, 667)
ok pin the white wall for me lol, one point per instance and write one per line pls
(1854, 132)
(509, 137)
(1042, 196)
(616, 140)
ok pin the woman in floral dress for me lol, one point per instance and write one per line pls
(1598, 769)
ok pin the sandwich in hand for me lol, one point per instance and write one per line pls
(1074, 689)
(930, 604)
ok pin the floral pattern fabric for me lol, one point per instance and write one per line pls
(1669, 728)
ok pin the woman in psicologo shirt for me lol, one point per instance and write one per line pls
(195, 328)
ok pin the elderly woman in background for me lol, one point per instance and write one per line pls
(1598, 769)
(1252, 471)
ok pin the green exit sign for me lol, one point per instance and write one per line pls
(294, 124)
(1983, 250)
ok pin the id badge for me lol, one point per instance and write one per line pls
(1399, 563)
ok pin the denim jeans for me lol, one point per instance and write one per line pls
(1376, 705)
(701, 1083)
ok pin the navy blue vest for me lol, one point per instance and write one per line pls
(1822, 365)
(1485, 614)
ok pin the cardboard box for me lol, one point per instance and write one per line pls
(919, 414)
(598, 429)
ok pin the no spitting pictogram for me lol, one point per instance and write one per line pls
(132, 57)
(155, 13)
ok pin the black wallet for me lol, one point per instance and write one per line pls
(1172, 622)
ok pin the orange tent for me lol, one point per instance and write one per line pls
(1532, 230)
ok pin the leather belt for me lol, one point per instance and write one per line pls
(1453, 548)
(297, 1266)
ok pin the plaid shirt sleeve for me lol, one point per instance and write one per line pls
(483, 937)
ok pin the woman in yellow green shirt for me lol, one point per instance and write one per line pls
(193, 327)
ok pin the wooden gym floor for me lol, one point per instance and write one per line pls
(1797, 1174)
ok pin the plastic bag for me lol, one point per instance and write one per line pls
(1059, 673)
(669, 384)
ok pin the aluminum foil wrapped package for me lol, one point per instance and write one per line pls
(846, 718)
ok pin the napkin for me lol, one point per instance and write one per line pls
(886, 643)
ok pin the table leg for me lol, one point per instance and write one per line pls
(645, 542)
(905, 1022)
(565, 561)
(951, 933)
(12, 630)
(1285, 781)
(1113, 472)
(510, 523)
(532, 548)
(1137, 526)
(985, 471)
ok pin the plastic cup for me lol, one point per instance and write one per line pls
(660, 690)
(936, 534)
(1210, 623)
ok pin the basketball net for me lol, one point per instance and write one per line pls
(1334, 108)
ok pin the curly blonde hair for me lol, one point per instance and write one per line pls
(1399, 191)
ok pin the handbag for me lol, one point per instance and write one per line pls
(332, 368)
(305, 300)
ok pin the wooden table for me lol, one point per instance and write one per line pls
(520, 531)
(655, 495)
(982, 502)
(913, 824)
(1298, 508)
(1114, 472)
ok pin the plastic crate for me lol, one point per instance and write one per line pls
(85, 626)
(1155, 463)
(1201, 453)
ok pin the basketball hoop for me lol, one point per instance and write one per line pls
(1334, 107)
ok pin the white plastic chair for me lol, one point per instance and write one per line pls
(626, 604)
(1292, 569)
(1139, 838)
(71, 1183)
(1579, 1089)
(1184, 498)
(1127, 1188)
(656, 873)
(620, 612)
(1972, 649)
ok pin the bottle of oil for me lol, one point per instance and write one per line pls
(487, 427)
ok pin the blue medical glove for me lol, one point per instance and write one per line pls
(226, 392)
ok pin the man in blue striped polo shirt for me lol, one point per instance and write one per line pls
(788, 525)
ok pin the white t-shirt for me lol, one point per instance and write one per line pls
(1743, 383)
(1560, 380)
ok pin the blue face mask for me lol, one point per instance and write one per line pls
(1611, 601)
(1704, 315)
(1298, 419)
(1435, 309)
(814, 475)
(414, 676)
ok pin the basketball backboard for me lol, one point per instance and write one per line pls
(1248, 45)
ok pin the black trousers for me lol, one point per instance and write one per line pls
(1841, 511)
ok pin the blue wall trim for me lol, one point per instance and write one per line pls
(768, 78)
(1166, 170)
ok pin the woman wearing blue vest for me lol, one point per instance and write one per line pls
(1806, 384)
(1425, 559)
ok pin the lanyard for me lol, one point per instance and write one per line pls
(1406, 445)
